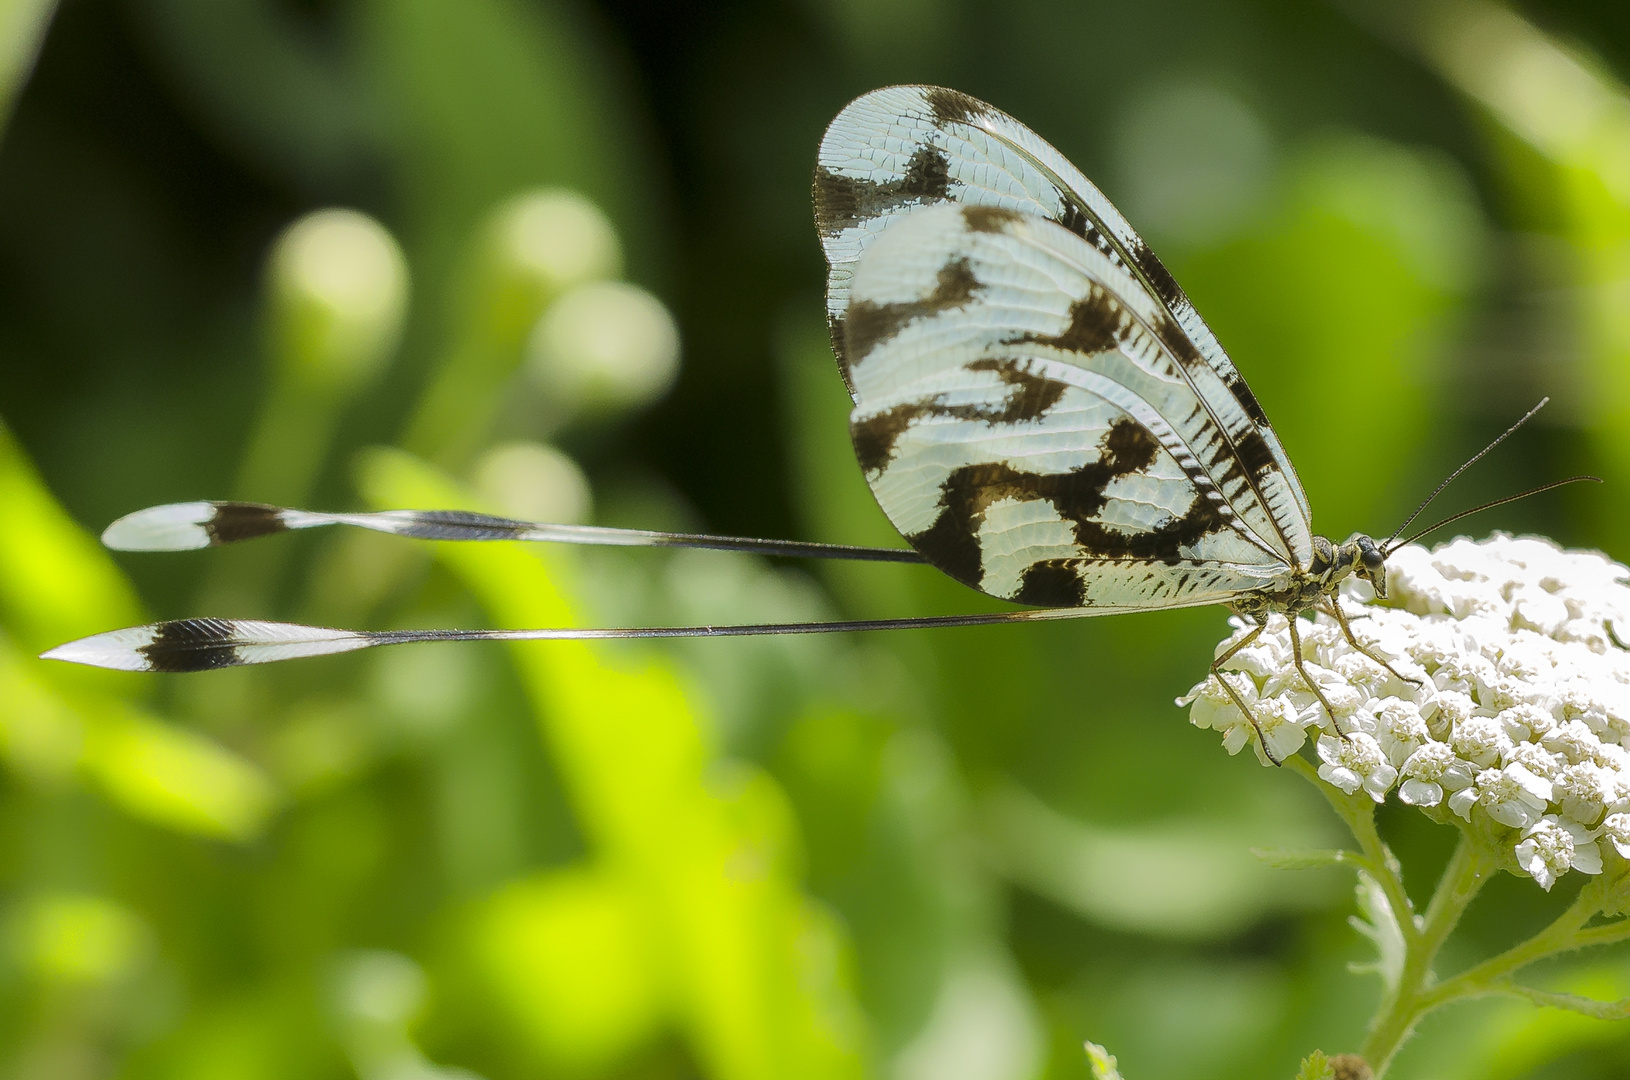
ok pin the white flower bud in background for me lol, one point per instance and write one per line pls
(605, 347)
(376, 997)
(1520, 726)
(338, 286)
(533, 249)
(534, 482)
(379, 987)
(557, 240)
(425, 696)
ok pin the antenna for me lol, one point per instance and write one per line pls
(1388, 543)
(1392, 543)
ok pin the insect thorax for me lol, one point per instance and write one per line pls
(1331, 565)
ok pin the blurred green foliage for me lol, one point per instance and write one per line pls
(384, 253)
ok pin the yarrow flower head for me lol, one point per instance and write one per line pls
(1512, 716)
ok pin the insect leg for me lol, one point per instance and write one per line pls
(1228, 654)
(1347, 629)
(1296, 648)
(1239, 702)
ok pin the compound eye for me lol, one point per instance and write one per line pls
(1372, 558)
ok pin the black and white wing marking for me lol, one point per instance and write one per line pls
(1024, 425)
(903, 147)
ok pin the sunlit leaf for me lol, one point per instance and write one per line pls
(1562, 124)
(567, 956)
(75, 938)
(22, 26)
(41, 735)
(702, 851)
(1316, 1067)
(56, 583)
(175, 777)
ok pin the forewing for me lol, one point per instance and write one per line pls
(904, 147)
(1025, 427)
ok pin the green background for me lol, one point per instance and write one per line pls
(923, 856)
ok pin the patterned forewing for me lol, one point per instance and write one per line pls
(1024, 428)
(905, 147)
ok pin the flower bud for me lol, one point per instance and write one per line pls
(556, 240)
(378, 987)
(338, 289)
(534, 482)
(605, 347)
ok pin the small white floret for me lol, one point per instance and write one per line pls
(1551, 847)
(1283, 727)
(1480, 739)
(1583, 792)
(1399, 728)
(1513, 796)
(1573, 740)
(1355, 761)
(1616, 831)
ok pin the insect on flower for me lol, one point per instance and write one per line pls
(1039, 410)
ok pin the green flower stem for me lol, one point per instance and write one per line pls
(1416, 990)
(1406, 1001)
(1413, 997)
(1564, 934)
(1469, 869)
(1358, 811)
(1599, 1010)
(1611, 934)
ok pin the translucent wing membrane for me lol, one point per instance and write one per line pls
(1023, 424)
(901, 148)
(184, 526)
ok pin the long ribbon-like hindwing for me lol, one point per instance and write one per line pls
(185, 526)
(1038, 409)
(186, 645)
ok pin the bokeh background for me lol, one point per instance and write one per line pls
(555, 259)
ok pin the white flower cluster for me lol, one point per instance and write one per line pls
(1519, 723)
